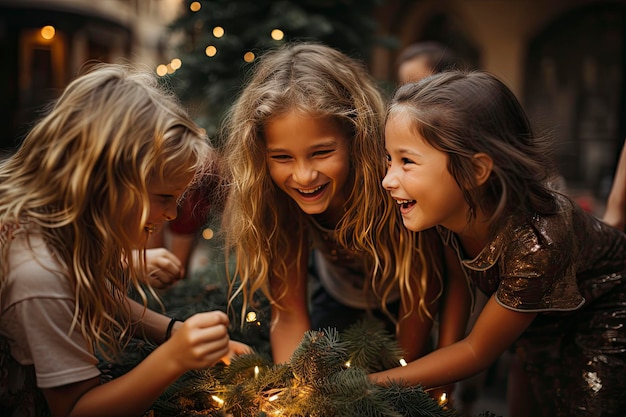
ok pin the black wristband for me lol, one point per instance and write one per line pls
(168, 332)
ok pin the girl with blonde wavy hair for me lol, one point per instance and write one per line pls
(303, 146)
(105, 167)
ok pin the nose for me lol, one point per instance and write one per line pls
(171, 212)
(390, 181)
(304, 173)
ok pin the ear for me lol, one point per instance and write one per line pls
(483, 165)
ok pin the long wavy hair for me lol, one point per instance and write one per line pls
(79, 178)
(261, 223)
(463, 113)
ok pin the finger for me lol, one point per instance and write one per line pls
(239, 348)
(164, 267)
(209, 319)
(162, 278)
(155, 282)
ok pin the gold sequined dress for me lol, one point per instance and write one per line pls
(571, 269)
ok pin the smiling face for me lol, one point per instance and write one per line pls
(308, 158)
(418, 179)
(163, 196)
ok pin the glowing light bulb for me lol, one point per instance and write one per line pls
(176, 63)
(47, 32)
(161, 70)
(207, 234)
(218, 31)
(210, 50)
(277, 34)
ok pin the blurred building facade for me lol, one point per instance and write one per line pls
(44, 44)
(565, 59)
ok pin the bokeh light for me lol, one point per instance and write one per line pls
(47, 32)
(210, 50)
(218, 31)
(277, 34)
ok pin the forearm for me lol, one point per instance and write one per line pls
(286, 334)
(181, 246)
(444, 366)
(414, 335)
(615, 214)
(147, 381)
(149, 324)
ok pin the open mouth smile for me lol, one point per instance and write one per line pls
(313, 192)
(405, 204)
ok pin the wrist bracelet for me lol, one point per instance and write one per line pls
(168, 332)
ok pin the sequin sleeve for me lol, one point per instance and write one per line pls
(538, 267)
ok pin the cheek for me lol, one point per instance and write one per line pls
(278, 173)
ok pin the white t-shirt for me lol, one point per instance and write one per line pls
(36, 310)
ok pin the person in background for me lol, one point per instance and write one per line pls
(464, 160)
(421, 59)
(615, 214)
(103, 169)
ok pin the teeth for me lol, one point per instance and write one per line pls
(403, 201)
(310, 191)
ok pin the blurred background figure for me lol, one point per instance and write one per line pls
(422, 59)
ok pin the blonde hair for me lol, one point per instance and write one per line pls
(261, 222)
(80, 175)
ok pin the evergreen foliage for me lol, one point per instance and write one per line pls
(325, 377)
(213, 82)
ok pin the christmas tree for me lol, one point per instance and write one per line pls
(220, 40)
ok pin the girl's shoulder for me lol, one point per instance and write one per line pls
(33, 271)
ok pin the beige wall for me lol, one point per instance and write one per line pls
(500, 29)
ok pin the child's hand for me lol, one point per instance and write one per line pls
(200, 341)
(235, 349)
(164, 269)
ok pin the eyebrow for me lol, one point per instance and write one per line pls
(327, 144)
(407, 151)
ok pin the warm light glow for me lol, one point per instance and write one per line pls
(403, 362)
(217, 399)
(273, 398)
(207, 234)
(277, 34)
(251, 317)
(348, 364)
(210, 50)
(218, 31)
(161, 70)
(47, 32)
(248, 57)
(195, 6)
(170, 70)
(256, 371)
(443, 399)
(176, 63)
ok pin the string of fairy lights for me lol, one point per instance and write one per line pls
(212, 50)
